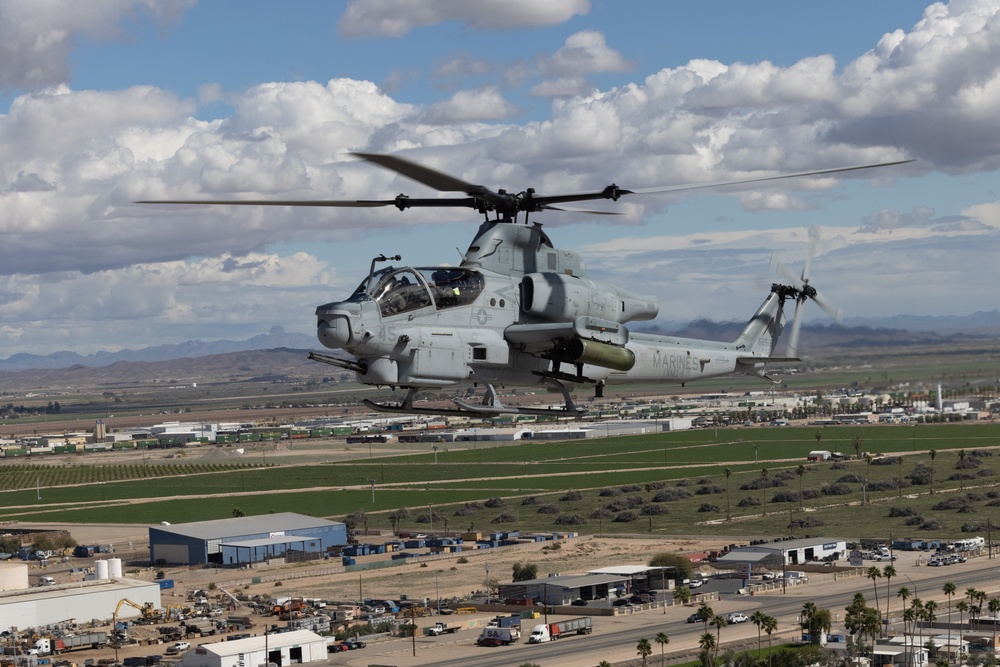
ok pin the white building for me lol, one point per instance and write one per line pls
(283, 648)
(82, 601)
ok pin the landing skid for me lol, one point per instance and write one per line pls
(490, 406)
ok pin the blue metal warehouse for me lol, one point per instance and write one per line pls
(245, 540)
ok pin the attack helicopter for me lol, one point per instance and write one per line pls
(517, 311)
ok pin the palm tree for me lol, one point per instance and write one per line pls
(682, 594)
(815, 621)
(994, 608)
(604, 663)
(758, 618)
(800, 471)
(873, 574)
(662, 639)
(708, 645)
(706, 614)
(962, 606)
(727, 472)
(909, 617)
(961, 460)
(643, 648)
(770, 625)
(933, 455)
(858, 442)
(718, 622)
(888, 572)
(949, 589)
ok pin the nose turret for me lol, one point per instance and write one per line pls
(333, 325)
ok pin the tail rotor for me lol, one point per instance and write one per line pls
(802, 291)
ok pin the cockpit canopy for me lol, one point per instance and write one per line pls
(401, 290)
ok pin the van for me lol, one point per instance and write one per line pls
(46, 581)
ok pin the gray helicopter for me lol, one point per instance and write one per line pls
(517, 311)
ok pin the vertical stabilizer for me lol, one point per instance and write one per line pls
(760, 336)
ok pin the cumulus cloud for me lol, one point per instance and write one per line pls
(395, 18)
(73, 161)
(471, 105)
(36, 37)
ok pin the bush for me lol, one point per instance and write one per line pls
(851, 478)
(836, 490)
(626, 517)
(570, 520)
(670, 495)
(785, 497)
(709, 489)
(495, 503)
(602, 513)
(749, 501)
(886, 461)
(571, 496)
(915, 520)
(653, 510)
(530, 500)
(548, 509)
(920, 475)
(932, 524)
(807, 522)
(708, 507)
(632, 488)
(504, 517)
(902, 511)
(609, 492)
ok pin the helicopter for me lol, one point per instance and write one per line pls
(517, 311)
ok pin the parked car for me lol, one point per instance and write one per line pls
(737, 617)
(336, 648)
(579, 602)
(353, 645)
(178, 647)
(489, 641)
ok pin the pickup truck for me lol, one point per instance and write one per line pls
(737, 617)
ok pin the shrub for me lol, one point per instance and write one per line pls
(530, 500)
(570, 520)
(609, 492)
(932, 524)
(806, 522)
(504, 517)
(785, 497)
(632, 488)
(708, 507)
(494, 503)
(670, 495)
(851, 478)
(602, 513)
(749, 501)
(902, 511)
(626, 517)
(653, 510)
(920, 475)
(548, 509)
(570, 496)
(709, 489)
(836, 490)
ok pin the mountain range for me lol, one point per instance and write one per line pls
(854, 332)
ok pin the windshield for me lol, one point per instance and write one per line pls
(403, 290)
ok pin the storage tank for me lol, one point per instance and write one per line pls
(115, 568)
(101, 567)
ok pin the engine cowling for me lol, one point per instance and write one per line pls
(557, 297)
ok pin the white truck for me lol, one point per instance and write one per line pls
(549, 632)
(442, 629)
(493, 635)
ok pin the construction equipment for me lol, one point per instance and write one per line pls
(147, 612)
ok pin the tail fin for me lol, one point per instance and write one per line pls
(760, 336)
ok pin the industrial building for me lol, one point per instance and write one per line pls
(283, 648)
(245, 540)
(81, 602)
(775, 556)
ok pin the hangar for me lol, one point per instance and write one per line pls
(245, 540)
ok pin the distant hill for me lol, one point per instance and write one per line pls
(276, 338)
(283, 355)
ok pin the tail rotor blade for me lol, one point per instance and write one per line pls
(793, 338)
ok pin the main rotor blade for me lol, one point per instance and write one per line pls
(273, 202)
(802, 174)
(429, 177)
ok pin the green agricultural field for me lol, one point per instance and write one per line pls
(746, 482)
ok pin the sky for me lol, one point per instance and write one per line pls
(109, 102)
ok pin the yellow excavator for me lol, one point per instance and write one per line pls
(148, 613)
